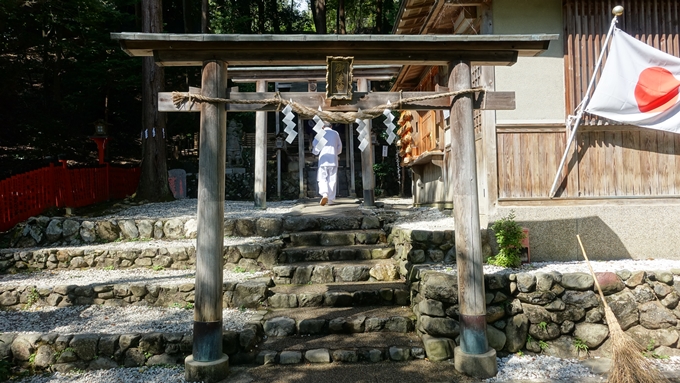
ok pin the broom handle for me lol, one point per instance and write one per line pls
(599, 289)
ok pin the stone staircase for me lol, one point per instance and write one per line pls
(338, 296)
(331, 292)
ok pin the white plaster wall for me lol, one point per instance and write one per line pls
(538, 82)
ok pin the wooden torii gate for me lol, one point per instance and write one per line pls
(213, 52)
(311, 75)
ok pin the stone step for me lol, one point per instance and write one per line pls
(336, 238)
(334, 253)
(338, 271)
(339, 295)
(361, 347)
(338, 320)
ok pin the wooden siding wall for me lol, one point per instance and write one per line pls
(608, 160)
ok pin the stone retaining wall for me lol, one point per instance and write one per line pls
(64, 353)
(551, 313)
(414, 247)
(250, 257)
(46, 231)
(249, 294)
(67, 353)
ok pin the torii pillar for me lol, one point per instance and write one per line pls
(207, 363)
(367, 157)
(473, 357)
(260, 191)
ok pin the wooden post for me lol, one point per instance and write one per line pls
(260, 191)
(278, 154)
(301, 157)
(367, 177)
(350, 160)
(207, 361)
(473, 355)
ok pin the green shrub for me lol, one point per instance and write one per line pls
(580, 344)
(509, 236)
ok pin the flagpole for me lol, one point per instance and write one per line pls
(617, 11)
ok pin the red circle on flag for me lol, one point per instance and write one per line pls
(656, 90)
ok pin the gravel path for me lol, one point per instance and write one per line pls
(112, 320)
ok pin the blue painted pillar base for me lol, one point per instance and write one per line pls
(369, 198)
(207, 344)
(207, 372)
(480, 366)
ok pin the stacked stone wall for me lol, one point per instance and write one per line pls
(67, 353)
(552, 313)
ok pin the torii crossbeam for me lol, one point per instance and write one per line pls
(214, 52)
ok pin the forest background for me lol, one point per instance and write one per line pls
(61, 72)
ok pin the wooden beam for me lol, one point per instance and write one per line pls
(363, 100)
(432, 57)
(307, 73)
(191, 49)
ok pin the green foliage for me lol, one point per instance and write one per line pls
(31, 359)
(109, 268)
(509, 237)
(186, 306)
(5, 368)
(543, 326)
(158, 268)
(239, 269)
(529, 338)
(257, 17)
(520, 353)
(543, 345)
(32, 298)
(650, 353)
(580, 344)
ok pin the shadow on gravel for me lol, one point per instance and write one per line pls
(415, 371)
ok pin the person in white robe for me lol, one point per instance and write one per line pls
(327, 175)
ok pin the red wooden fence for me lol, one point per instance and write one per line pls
(29, 194)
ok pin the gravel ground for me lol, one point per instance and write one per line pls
(110, 320)
(102, 276)
(512, 369)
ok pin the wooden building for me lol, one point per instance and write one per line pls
(612, 170)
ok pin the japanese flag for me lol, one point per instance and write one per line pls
(639, 86)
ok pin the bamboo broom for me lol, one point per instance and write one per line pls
(628, 363)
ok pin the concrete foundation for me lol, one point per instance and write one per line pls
(480, 366)
(208, 372)
(609, 232)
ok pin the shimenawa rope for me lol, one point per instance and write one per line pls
(181, 98)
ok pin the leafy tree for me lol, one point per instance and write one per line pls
(61, 72)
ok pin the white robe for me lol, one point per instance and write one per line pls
(327, 175)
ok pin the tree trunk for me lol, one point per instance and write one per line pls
(204, 16)
(153, 182)
(319, 14)
(342, 27)
(273, 16)
(379, 16)
(260, 16)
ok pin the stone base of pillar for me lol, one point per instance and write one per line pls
(481, 366)
(208, 372)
